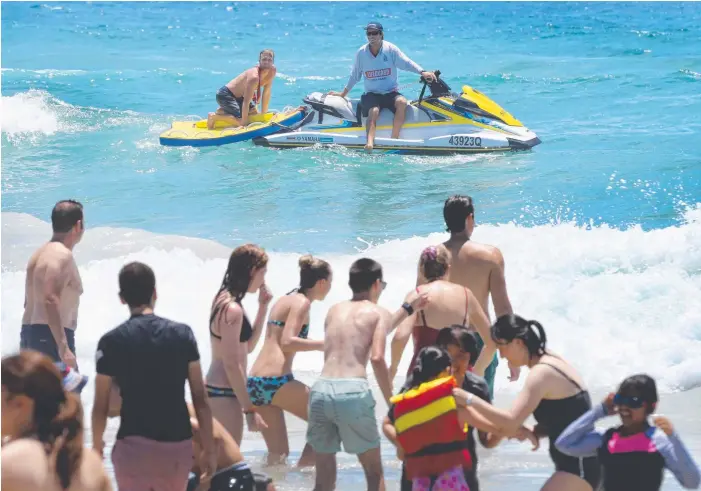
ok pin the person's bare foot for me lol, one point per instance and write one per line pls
(210, 121)
(368, 147)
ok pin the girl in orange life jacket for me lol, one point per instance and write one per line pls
(428, 428)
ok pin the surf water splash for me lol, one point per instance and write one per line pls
(613, 302)
(31, 114)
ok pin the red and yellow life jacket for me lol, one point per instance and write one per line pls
(428, 429)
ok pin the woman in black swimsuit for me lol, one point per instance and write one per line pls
(233, 338)
(553, 393)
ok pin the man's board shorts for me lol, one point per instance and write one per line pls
(38, 337)
(142, 463)
(231, 104)
(373, 99)
(342, 410)
(238, 477)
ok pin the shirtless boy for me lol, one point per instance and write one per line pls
(238, 99)
(341, 406)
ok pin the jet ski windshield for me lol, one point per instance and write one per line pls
(439, 88)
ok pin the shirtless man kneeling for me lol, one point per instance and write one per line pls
(341, 406)
(238, 99)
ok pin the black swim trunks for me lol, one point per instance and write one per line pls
(231, 104)
(238, 477)
(373, 99)
(38, 337)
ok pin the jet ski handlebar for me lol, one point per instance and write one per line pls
(437, 73)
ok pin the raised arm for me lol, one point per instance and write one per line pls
(509, 421)
(399, 342)
(264, 298)
(290, 341)
(403, 62)
(676, 457)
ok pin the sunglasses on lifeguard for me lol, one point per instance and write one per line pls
(373, 33)
(631, 402)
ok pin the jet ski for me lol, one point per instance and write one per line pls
(440, 122)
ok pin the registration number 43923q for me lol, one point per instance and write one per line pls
(465, 141)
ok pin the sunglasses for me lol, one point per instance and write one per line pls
(373, 33)
(631, 402)
(384, 284)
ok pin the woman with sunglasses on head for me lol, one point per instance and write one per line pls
(450, 304)
(553, 393)
(635, 454)
(42, 431)
(234, 338)
(271, 385)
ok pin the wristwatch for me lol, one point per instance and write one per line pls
(409, 309)
(468, 399)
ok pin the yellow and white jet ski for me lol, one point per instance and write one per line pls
(441, 123)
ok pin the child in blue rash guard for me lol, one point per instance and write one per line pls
(634, 454)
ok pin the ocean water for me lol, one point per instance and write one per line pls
(600, 224)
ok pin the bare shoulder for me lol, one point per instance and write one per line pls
(300, 301)
(24, 465)
(485, 252)
(252, 75)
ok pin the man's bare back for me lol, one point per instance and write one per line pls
(350, 329)
(479, 267)
(53, 263)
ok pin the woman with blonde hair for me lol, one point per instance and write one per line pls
(271, 385)
(42, 430)
(234, 338)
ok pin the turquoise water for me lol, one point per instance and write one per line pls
(600, 224)
(613, 90)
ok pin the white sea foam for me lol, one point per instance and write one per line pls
(613, 302)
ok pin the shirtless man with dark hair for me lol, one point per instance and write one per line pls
(238, 99)
(479, 267)
(53, 288)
